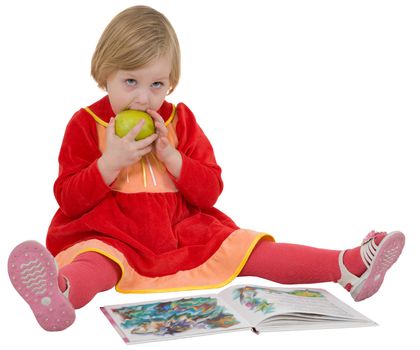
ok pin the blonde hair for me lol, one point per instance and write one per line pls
(134, 38)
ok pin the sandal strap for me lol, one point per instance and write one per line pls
(67, 291)
(368, 251)
(346, 276)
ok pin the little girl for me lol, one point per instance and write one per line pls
(139, 215)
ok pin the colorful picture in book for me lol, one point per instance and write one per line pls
(306, 293)
(172, 317)
(249, 297)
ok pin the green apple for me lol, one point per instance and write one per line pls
(129, 118)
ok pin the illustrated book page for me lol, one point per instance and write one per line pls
(275, 309)
(173, 318)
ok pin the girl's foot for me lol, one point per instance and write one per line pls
(33, 273)
(378, 253)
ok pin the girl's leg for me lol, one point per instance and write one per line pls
(292, 264)
(296, 264)
(88, 274)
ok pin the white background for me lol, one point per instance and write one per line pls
(312, 108)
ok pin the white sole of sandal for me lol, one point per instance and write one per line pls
(387, 253)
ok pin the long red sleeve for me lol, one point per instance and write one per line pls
(79, 186)
(200, 180)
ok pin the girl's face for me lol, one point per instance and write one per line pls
(140, 89)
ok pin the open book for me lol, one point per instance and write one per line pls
(240, 307)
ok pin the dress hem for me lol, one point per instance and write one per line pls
(214, 269)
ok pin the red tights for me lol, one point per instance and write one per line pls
(91, 273)
(87, 275)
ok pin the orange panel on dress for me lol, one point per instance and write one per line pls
(147, 175)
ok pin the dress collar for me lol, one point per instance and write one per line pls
(102, 109)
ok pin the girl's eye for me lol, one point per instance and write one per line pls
(131, 82)
(157, 85)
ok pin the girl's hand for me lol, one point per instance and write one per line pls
(165, 152)
(163, 148)
(122, 151)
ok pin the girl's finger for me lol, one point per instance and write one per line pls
(146, 141)
(145, 151)
(161, 129)
(164, 142)
(131, 135)
(156, 116)
(110, 130)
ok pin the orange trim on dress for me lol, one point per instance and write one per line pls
(105, 124)
(220, 269)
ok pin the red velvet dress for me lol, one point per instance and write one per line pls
(163, 232)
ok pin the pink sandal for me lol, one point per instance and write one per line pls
(33, 273)
(378, 259)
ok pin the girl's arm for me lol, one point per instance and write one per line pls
(79, 186)
(199, 179)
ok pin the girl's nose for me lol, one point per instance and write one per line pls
(142, 98)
